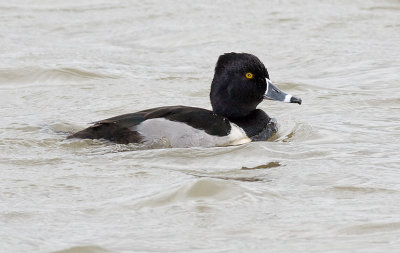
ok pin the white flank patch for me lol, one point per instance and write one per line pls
(237, 135)
(180, 135)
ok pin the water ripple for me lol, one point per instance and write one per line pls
(39, 74)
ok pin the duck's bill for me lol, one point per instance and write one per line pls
(274, 93)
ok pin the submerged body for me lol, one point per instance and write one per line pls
(240, 83)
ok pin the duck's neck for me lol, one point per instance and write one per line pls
(231, 109)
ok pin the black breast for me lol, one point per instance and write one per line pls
(257, 125)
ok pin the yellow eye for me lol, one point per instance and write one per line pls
(249, 75)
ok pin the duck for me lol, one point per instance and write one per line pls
(241, 82)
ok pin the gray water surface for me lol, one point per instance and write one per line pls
(327, 182)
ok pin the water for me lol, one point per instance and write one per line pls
(328, 182)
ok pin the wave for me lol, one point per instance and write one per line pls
(40, 74)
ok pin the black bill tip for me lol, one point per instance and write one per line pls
(295, 100)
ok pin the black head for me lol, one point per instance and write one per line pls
(240, 83)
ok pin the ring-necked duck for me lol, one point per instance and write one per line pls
(240, 83)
